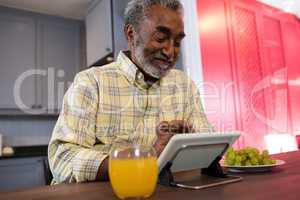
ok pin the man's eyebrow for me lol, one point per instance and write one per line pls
(181, 35)
(163, 29)
(167, 31)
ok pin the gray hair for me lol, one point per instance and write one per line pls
(135, 10)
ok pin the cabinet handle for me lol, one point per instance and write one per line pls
(108, 49)
(37, 106)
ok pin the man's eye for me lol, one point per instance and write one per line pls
(160, 39)
(177, 43)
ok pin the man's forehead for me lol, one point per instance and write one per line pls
(163, 18)
(161, 12)
(168, 31)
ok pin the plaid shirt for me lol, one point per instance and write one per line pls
(111, 103)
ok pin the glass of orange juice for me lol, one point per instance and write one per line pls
(133, 170)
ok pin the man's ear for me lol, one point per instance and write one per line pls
(129, 33)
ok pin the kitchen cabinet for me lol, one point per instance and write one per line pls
(291, 41)
(248, 70)
(99, 31)
(104, 30)
(219, 100)
(19, 173)
(17, 56)
(59, 56)
(120, 42)
(253, 84)
(39, 57)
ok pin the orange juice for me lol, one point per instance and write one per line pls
(134, 177)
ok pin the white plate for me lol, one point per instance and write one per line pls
(251, 169)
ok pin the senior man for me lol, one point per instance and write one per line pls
(139, 98)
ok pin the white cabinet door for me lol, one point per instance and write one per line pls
(17, 62)
(99, 31)
(59, 58)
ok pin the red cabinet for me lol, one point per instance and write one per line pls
(251, 65)
(219, 98)
(291, 38)
(248, 70)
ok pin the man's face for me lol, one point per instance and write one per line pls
(155, 47)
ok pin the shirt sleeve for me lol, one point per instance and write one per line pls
(194, 112)
(72, 153)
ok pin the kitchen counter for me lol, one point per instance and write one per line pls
(281, 183)
(27, 151)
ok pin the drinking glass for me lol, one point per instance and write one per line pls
(133, 170)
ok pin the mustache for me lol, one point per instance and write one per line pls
(161, 56)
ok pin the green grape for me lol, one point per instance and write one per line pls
(265, 153)
(243, 151)
(238, 159)
(244, 157)
(267, 161)
(256, 151)
(260, 160)
(248, 163)
(238, 163)
(247, 156)
(242, 163)
(230, 149)
(230, 156)
(251, 155)
(254, 161)
(229, 162)
(247, 150)
(273, 162)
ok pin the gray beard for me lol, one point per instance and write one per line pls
(148, 67)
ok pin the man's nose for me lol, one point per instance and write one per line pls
(169, 50)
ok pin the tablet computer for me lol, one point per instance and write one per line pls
(195, 150)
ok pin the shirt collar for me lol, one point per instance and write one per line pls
(132, 72)
(127, 66)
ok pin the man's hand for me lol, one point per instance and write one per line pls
(102, 174)
(165, 130)
(180, 126)
(163, 136)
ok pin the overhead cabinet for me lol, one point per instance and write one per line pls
(59, 56)
(99, 32)
(104, 30)
(39, 57)
(17, 56)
